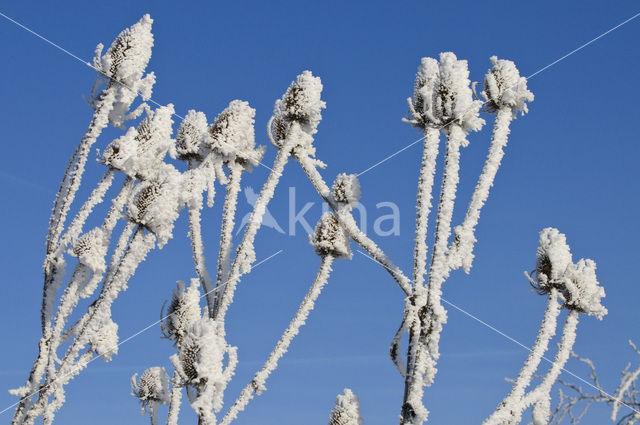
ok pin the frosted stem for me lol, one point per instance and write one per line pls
(228, 222)
(423, 203)
(176, 396)
(43, 347)
(75, 169)
(541, 395)
(347, 221)
(68, 302)
(96, 197)
(413, 412)
(509, 407)
(195, 233)
(461, 250)
(136, 251)
(256, 386)
(395, 349)
(245, 254)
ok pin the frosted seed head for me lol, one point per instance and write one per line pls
(183, 311)
(346, 410)
(232, 134)
(152, 388)
(129, 54)
(200, 362)
(191, 136)
(139, 151)
(123, 66)
(583, 291)
(104, 339)
(90, 249)
(505, 88)
(330, 238)
(156, 203)
(300, 104)
(442, 95)
(346, 190)
(552, 259)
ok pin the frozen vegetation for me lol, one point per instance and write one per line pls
(218, 153)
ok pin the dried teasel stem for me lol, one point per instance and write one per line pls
(510, 408)
(309, 166)
(256, 386)
(228, 222)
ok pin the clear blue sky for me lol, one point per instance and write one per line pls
(571, 163)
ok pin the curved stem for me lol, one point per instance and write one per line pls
(347, 221)
(256, 386)
(541, 394)
(508, 408)
(461, 251)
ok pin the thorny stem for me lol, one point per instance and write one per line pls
(349, 224)
(228, 220)
(508, 410)
(256, 386)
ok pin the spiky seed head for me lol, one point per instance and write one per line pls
(191, 136)
(505, 88)
(330, 238)
(346, 410)
(90, 249)
(345, 190)
(128, 56)
(233, 135)
(583, 291)
(300, 104)
(442, 95)
(152, 388)
(156, 203)
(183, 311)
(552, 259)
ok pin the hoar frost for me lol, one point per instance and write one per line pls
(123, 66)
(330, 238)
(442, 95)
(504, 87)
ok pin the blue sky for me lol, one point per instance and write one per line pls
(571, 163)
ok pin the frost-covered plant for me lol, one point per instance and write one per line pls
(347, 410)
(200, 365)
(329, 238)
(183, 311)
(152, 390)
(345, 191)
(442, 102)
(154, 191)
(576, 287)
